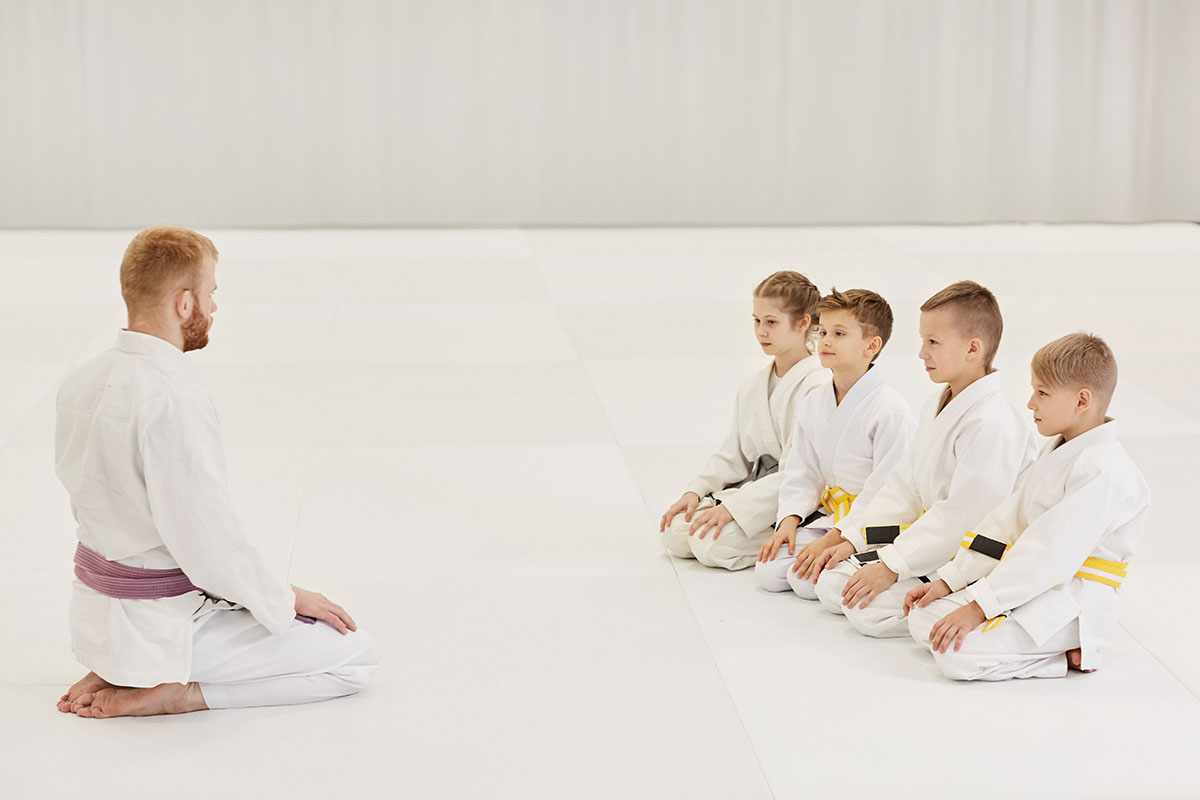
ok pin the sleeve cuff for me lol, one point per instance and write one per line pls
(891, 557)
(981, 593)
(953, 577)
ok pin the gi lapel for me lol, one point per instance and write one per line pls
(954, 411)
(843, 413)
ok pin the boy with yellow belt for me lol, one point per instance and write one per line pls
(1036, 585)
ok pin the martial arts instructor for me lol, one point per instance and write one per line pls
(173, 609)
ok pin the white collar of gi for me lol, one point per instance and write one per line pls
(1101, 434)
(862, 387)
(799, 371)
(145, 344)
(981, 388)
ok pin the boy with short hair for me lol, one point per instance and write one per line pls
(848, 435)
(1046, 566)
(971, 445)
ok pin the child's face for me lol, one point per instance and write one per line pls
(777, 333)
(947, 353)
(1056, 409)
(842, 343)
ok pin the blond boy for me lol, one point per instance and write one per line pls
(1036, 585)
(971, 445)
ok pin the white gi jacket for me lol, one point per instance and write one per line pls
(744, 473)
(962, 463)
(852, 446)
(1082, 499)
(138, 448)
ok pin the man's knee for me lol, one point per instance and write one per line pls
(362, 661)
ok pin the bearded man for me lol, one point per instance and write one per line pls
(173, 609)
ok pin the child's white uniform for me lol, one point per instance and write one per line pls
(962, 463)
(840, 455)
(744, 474)
(1071, 529)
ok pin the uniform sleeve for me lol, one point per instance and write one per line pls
(184, 466)
(988, 458)
(728, 465)
(896, 502)
(1055, 545)
(968, 566)
(754, 505)
(801, 484)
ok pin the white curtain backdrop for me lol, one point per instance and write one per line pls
(118, 113)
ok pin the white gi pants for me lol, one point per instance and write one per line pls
(883, 618)
(777, 576)
(734, 549)
(1002, 652)
(239, 664)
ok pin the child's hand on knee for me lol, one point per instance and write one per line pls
(827, 558)
(686, 504)
(954, 627)
(716, 518)
(925, 594)
(786, 532)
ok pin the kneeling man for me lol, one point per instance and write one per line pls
(173, 610)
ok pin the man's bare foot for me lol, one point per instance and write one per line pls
(1075, 658)
(88, 684)
(121, 701)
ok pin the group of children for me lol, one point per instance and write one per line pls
(1003, 558)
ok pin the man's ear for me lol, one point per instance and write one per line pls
(185, 303)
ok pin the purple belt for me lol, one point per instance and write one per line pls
(134, 583)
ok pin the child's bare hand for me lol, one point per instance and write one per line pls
(829, 557)
(711, 519)
(786, 532)
(954, 627)
(808, 555)
(925, 594)
(866, 583)
(686, 504)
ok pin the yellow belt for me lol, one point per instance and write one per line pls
(1110, 573)
(837, 501)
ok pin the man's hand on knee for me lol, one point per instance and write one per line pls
(318, 606)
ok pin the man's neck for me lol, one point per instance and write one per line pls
(845, 378)
(158, 331)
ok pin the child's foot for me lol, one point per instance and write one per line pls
(120, 701)
(88, 684)
(1075, 658)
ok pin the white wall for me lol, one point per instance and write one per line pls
(367, 112)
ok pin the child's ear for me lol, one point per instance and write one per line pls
(875, 345)
(804, 322)
(974, 348)
(1084, 401)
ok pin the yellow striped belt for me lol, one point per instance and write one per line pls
(1110, 573)
(837, 501)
